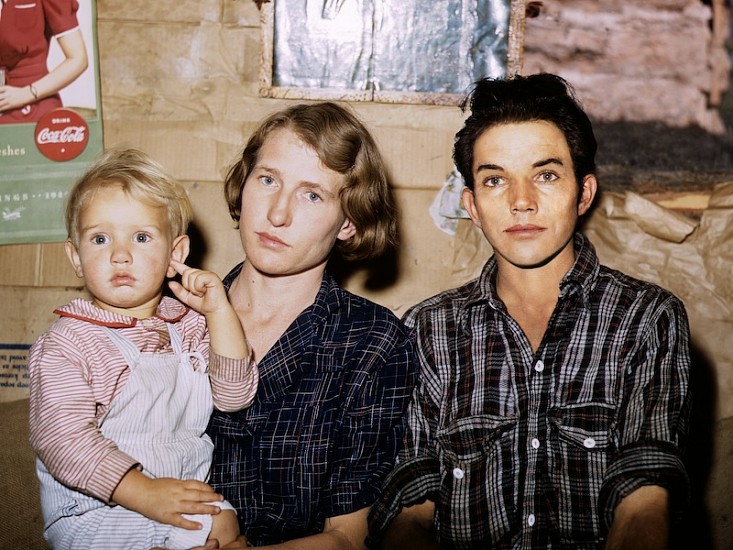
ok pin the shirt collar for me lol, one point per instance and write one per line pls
(327, 300)
(579, 279)
(582, 276)
(169, 310)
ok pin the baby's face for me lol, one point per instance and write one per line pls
(124, 252)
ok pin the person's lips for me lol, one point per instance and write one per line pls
(270, 240)
(524, 230)
(122, 279)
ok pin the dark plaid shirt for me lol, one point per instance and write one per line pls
(534, 450)
(327, 421)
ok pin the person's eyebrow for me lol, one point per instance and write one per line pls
(545, 162)
(489, 167)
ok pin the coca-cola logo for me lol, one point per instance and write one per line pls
(62, 134)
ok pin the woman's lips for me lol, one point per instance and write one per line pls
(270, 240)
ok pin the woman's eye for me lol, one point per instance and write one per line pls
(267, 180)
(312, 196)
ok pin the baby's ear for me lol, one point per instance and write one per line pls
(73, 254)
(179, 252)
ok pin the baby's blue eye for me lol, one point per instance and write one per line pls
(142, 238)
(99, 239)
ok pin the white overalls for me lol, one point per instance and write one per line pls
(159, 419)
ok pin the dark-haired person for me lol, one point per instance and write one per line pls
(307, 459)
(552, 398)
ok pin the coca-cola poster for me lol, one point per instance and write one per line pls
(49, 131)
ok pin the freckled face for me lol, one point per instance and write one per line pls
(124, 251)
(291, 214)
(525, 197)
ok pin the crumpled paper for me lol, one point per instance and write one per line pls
(447, 207)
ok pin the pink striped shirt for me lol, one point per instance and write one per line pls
(76, 371)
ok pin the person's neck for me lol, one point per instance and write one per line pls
(530, 296)
(536, 285)
(142, 311)
(263, 291)
(267, 305)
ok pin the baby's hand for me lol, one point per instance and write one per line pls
(204, 292)
(199, 289)
(165, 500)
(170, 498)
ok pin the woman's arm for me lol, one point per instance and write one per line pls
(346, 532)
(75, 62)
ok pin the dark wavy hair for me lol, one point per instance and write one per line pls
(546, 97)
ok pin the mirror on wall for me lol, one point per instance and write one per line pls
(390, 51)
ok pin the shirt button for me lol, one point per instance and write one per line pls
(535, 443)
(530, 520)
(539, 366)
(458, 473)
(589, 443)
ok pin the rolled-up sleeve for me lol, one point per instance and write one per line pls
(654, 413)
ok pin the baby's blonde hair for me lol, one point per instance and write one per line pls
(140, 177)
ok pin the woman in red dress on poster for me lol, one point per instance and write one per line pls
(27, 89)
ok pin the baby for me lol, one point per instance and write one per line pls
(122, 386)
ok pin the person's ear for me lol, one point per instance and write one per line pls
(348, 230)
(179, 252)
(73, 254)
(588, 190)
(469, 204)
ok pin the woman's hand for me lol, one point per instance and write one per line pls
(75, 62)
(12, 97)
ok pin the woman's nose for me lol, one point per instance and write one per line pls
(279, 212)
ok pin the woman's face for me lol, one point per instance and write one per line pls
(291, 213)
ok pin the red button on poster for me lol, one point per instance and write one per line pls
(62, 134)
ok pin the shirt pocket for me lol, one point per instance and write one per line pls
(476, 491)
(580, 445)
(26, 15)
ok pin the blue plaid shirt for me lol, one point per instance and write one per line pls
(327, 421)
(524, 449)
